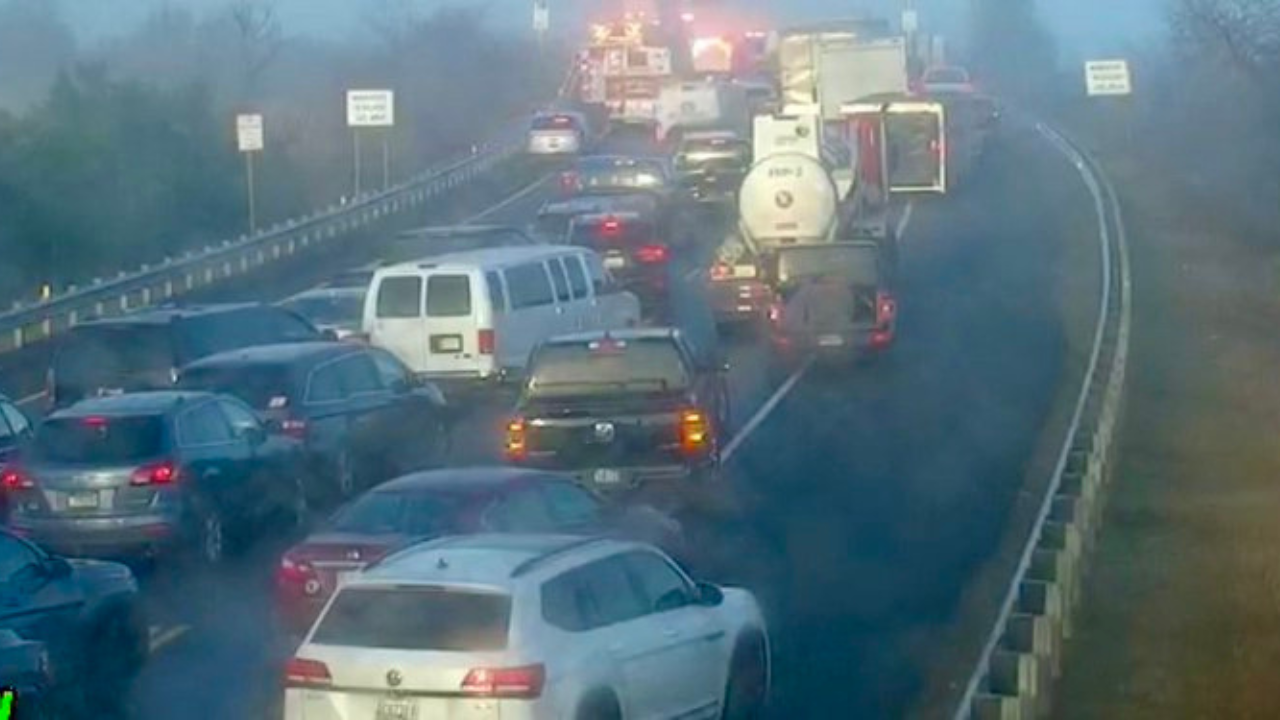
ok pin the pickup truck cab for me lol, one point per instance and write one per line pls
(621, 410)
(832, 301)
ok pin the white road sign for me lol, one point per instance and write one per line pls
(1108, 77)
(910, 21)
(371, 108)
(249, 135)
(541, 16)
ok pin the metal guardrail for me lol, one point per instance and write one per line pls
(26, 324)
(1021, 659)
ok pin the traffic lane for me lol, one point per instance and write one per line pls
(870, 497)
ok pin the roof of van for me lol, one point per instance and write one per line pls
(487, 257)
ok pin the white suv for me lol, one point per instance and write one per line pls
(530, 626)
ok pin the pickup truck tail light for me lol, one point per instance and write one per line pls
(695, 431)
(517, 445)
(886, 309)
(300, 672)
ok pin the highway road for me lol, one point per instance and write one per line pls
(857, 505)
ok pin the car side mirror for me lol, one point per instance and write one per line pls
(709, 595)
(56, 568)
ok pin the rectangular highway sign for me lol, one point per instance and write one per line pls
(249, 135)
(371, 108)
(1108, 77)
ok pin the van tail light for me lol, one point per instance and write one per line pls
(15, 478)
(517, 441)
(294, 428)
(300, 672)
(652, 254)
(518, 682)
(161, 473)
(486, 342)
(695, 431)
(886, 309)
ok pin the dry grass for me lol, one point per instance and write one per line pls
(1182, 612)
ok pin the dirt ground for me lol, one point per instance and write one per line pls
(1181, 617)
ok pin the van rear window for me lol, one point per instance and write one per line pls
(400, 297)
(449, 296)
(416, 618)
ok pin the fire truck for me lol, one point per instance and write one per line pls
(624, 68)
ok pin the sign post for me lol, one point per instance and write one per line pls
(541, 23)
(250, 141)
(366, 109)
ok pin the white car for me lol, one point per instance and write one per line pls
(563, 133)
(530, 627)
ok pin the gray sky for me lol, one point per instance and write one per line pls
(1092, 26)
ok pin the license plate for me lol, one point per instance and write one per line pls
(396, 710)
(449, 343)
(606, 476)
(831, 341)
(615, 262)
(82, 500)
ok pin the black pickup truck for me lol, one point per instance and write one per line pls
(622, 410)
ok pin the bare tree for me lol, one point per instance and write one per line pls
(1242, 34)
(259, 35)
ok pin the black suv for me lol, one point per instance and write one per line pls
(143, 350)
(88, 617)
(129, 475)
(15, 431)
(359, 412)
(621, 408)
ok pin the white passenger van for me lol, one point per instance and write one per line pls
(477, 315)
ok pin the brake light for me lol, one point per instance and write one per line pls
(695, 431)
(517, 682)
(300, 672)
(486, 341)
(294, 428)
(95, 422)
(161, 473)
(298, 573)
(12, 478)
(720, 271)
(651, 254)
(886, 309)
(568, 181)
(517, 444)
(609, 228)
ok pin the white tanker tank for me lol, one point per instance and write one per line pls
(788, 198)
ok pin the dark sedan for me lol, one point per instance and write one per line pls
(445, 502)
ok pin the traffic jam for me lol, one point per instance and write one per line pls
(556, 577)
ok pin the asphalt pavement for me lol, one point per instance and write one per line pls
(857, 504)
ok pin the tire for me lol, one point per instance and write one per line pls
(747, 689)
(599, 706)
(210, 541)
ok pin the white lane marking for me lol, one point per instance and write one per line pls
(166, 636)
(764, 410)
(519, 194)
(904, 221)
(31, 399)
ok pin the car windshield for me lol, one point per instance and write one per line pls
(99, 440)
(554, 122)
(621, 175)
(330, 309)
(416, 618)
(607, 367)
(260, 386)
(699, 152)
(407, 512)
(602, 232)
